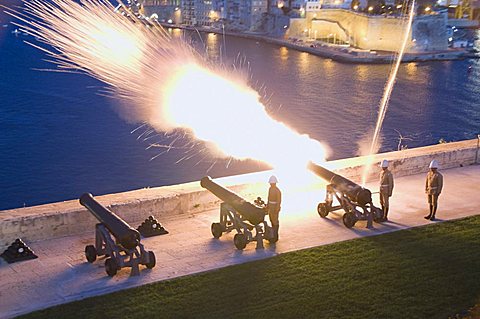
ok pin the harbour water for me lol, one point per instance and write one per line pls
(60, 137)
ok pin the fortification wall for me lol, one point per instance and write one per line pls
(383, 33)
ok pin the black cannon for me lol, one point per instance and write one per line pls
(354, 199)
(125, 251)
(241, 215)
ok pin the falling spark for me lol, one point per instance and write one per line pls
(167, 84)
(374, 146)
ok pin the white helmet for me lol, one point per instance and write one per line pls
(273, 180)
(384, 163)
(433, 164)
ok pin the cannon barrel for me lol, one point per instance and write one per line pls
(252, 213)
(353, 191)
(125, 235)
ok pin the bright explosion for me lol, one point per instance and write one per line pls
(167, 83)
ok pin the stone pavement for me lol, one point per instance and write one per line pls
(61, 274)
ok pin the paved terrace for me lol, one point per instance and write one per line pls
(61, 274)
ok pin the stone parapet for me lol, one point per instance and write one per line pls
(69, 217)
(411, 161)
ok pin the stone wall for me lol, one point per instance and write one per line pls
(383, 33)
(412, 161)
(429, 33)
(178, 201)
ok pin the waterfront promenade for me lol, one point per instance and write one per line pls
(340, 53)
(61, 274)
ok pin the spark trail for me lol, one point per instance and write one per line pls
(387, 93)
(168, 85)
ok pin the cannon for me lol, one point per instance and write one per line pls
(125, 251)
(355, 200)
(241, 215)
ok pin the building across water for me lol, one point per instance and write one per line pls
(373, 25)
(234, 15)
(371, 32)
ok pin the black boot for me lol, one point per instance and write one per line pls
(429, 215)
(275, 233)
(434, 212)
(385, 216)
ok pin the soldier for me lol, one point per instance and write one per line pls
(433, 188)
(386, 188)
(274, 202)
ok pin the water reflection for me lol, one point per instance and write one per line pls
(411, 69)
(175, 32)
(283, 53)
(361, 72)
(328, 67)
(283, 58)
(304, 62)
(212, 49)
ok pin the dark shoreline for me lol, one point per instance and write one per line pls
(336, 54)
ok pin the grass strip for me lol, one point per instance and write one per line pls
(424, 272)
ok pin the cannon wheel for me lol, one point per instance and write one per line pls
(349, 219)
(217, 230)
(151, 260)
(240, 241)
(322, 210)
(91, 253)
(378, 215)
(111, 267)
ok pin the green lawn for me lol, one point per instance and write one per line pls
(427, 272)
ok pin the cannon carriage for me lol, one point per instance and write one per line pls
(353, 199)
(116, 240)
(236, 213)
